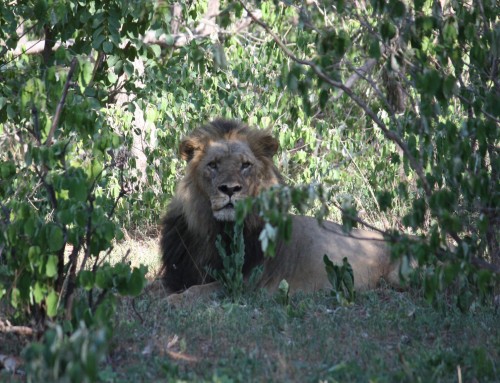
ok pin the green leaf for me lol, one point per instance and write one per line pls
(40, 10)
(107, 47)
(348, 279)
(51, 302)
(96, 44)
(156, 49)
(7, 169)
(374, 49)
(112, 77)
(104, 278)
(55, 238)
(137, 281)
(387, 30)
(323, 98)
(450, 31)
(34, 254)
(86, 71)
(384, 199)
(15, 297)
(39, 292)
(292, 82)
(86, 279)
(398, 9)
(77, 190)
(95, 169)
(284, 292)
(51, 266)
(331, 271)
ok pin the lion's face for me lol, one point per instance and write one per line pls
(226, 168)
(229, 172)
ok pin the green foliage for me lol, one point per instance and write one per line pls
(62, 358)
(341, 279)
(64, 163)
(274, 205)
(119, 277)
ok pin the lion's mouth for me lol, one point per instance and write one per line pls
(220, 207)
(225, 213)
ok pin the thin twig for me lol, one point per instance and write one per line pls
(141, 319)
(60, 106)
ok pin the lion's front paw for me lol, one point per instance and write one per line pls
(176, 300)
(195, 293)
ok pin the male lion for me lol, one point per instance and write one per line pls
(227, 162)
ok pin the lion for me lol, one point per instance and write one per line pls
(227, 161)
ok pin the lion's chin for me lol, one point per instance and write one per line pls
(225, 214)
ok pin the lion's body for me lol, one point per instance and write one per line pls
(228, 162)
(366, 251)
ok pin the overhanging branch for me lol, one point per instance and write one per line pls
(389, 134)
(206, 28)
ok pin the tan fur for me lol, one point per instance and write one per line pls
(227, 162)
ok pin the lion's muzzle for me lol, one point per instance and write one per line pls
(223, 204)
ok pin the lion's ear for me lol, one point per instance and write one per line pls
(187, 149)
(269, 145)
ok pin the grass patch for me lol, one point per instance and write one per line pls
(386, 336)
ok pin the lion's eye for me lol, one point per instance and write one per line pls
(212, 165)
(246, 165)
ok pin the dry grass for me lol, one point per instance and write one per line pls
(137, 251)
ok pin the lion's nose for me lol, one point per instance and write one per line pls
(230, 189)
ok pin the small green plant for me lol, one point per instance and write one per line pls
(67, 358)
(342, 280)
(283, 295)
(231, 274)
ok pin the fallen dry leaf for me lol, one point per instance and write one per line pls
(181, 356)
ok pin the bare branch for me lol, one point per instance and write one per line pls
(7, 327)
(181, 39)
(206, 27)
(361, 71)
(482, 264)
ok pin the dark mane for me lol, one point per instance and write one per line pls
(186, 257)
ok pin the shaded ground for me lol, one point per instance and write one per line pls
(386, 336)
